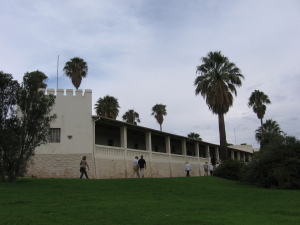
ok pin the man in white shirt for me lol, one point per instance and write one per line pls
(135, 164)
(217, 165)
(187, 169)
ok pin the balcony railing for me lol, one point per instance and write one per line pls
(102, 151)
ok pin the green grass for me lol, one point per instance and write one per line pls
(195, 200)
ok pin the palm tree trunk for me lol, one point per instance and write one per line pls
(262, 130)
(160, 127)
(223, 141)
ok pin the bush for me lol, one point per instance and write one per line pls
(277, 165)
(229, 169)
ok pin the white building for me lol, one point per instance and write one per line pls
(111, 145)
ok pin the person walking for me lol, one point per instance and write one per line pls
(187, 169)
(135, 164)
(211, 169)
(83, 165)
(217, 165)
(205, 169)
(142, 166)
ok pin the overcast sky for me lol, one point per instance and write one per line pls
(146, 52)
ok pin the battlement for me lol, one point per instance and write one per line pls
(68, 92)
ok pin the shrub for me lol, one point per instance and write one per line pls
(277, 165)
(229, 169)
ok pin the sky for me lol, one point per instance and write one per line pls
(146, 52)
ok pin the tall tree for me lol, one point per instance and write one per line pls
(258, 101)
(217, 83)
(195, 136)
(131, 116)
(159, 111)
(8, 102)
(108, 106)
(76, 69)
(39, 77)
(271, 130)
(22, 132)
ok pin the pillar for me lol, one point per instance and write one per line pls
(123, 132)
(243, 156)
(197, 149)
(238, 156)
(183, 147)
(148, 141)
(232, 154)
(168, 144)
(206, 151)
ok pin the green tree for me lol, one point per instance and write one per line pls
(271, 130)
(39, 77)
(76, 69)
(258, 101)
(108, 106)
(23, 131)
(131, 117)
(159, 111)
(195, 136)
(217, 83)
(8, 102)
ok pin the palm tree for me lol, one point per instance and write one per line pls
(159, 111)
(107, 107)
(131, 117)
(76, 69)
(257, 101)
(195, 136)
(217, 83)
(271, 129)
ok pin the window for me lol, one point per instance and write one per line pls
(173, 151)
(136, 146)
(54, 135)
(156, 148)
(110, 142)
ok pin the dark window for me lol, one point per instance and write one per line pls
(156, 148)
(136, 146)
(54, 135)
(173, 150)
(110, 142)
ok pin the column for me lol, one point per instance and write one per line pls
(206, 151)
(232, 154)
(238, 156)
(148, 141)
(123, 132)
(243, 156)
(197, 149)
(183, 147)
(168, 144)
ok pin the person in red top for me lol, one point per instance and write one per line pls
(83, 165)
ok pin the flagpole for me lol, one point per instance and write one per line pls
(57, 73)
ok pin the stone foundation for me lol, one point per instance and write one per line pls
(67, 166)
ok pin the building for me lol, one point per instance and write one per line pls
(111, 145)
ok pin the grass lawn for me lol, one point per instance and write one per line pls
(194, 200)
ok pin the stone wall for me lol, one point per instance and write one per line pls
(59, 166)
(67, 166)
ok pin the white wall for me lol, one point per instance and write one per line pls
(74, 118)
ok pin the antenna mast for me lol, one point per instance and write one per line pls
(235, 136)
(57, 73)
